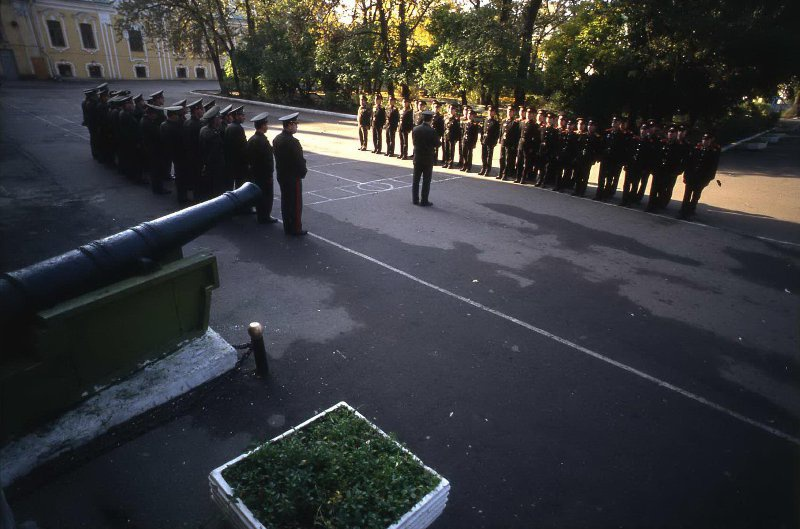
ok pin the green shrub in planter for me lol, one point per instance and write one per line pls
(338, 471)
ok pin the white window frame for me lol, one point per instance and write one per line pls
(128, 42)
(141, 65)
(83, 18)
(95, 63)
(179, 66)
(57, 17)
(66, 63)
(205, 71)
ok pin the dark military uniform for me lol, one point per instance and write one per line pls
(154, 152)
(290, 165)
(406, 126)
(639, 159)
(235, 143)
(378, 121)
(649, 167)
(438, 125)
(614, 143)
(526, 149)
(193, 165)
(364, 118)
(548, 149)
(426, 140)
(262, 165)
(452, 134)
(701, 168)
(685, 149)
(130, 146)
(171, 132)
(588, 149)
(508, 149)
(568, 151)
(469, 140)
(490, 134)
(669, 161)
(392, 122)
(555, 167)
(212, 151)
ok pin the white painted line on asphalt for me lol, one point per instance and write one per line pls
(777, 241)
(335, 163)
(641, 374)
(334, 176)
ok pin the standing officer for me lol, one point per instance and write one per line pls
(527, 147)
(700, 170)
(470, 139)
(425, 143)
(363, 118)
(291, 168)
(154, 150)
(653, 144)
(212, 151)
(129, 143)
(157, 99)
(490, 134)
(378, 120)
(548, 149)
(584, 158)
(139, 107)
(508, 144)
(567, 154)
(259, 157)
(90, 120)
(235, 143)
(452, 134)
(438, 125)
(171, 133)
(406, 126)
(392, 122)
(613, 158)
(640, 154)
(668, 166)
(193, 164)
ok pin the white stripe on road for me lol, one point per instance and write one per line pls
(632, 370)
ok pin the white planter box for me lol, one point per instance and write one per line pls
(420, 516)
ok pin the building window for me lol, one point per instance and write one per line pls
(135, 40)
(56, 34)
(65, 70)
(141, 71)
(87, 36)
(95, 70)
(200, 72)
(181, 71)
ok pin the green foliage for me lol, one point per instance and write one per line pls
(337, 472)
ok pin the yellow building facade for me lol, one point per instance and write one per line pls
(47, 39)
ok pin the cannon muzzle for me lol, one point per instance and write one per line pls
(125, 254)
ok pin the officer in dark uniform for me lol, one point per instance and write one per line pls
(649, 168)
(438, 125)
(392, 122)
(614, 143)
(153, 148)
(378, 121)
(527, 147)
(566, 157)
(262, 165)
(701, 168)
(685, 149)
(464, 122)
(669, 161)
(639, 158)
(139, 107)
(406, 126)
(363, 119)
(212, 152)
(548, 149)
(157, 99)
(584, 158)
(235, 143)
(469, 139)
(129, 142)
(193, 164)
(114, 107)
(490, 135)
(452, 134)
(509, 140)
(425, 143)
(171, 132)
(227, 117)
(208, 106)
(89, 108)
(290, 165)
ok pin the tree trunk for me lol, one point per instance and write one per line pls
(529, 17)
(463, 94)
(402, 47)
(384, 39)
(251, 32)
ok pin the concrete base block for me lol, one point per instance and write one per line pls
(195, 362)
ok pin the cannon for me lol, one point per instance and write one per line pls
(77, 322)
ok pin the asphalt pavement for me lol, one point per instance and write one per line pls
(563, 362)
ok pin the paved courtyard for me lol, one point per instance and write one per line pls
(563, 362)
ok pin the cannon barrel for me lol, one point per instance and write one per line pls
(124, 254)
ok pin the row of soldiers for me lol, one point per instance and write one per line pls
(206, 150)
(141, 136)
(544, 149)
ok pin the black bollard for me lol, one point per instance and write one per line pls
(256, 332)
